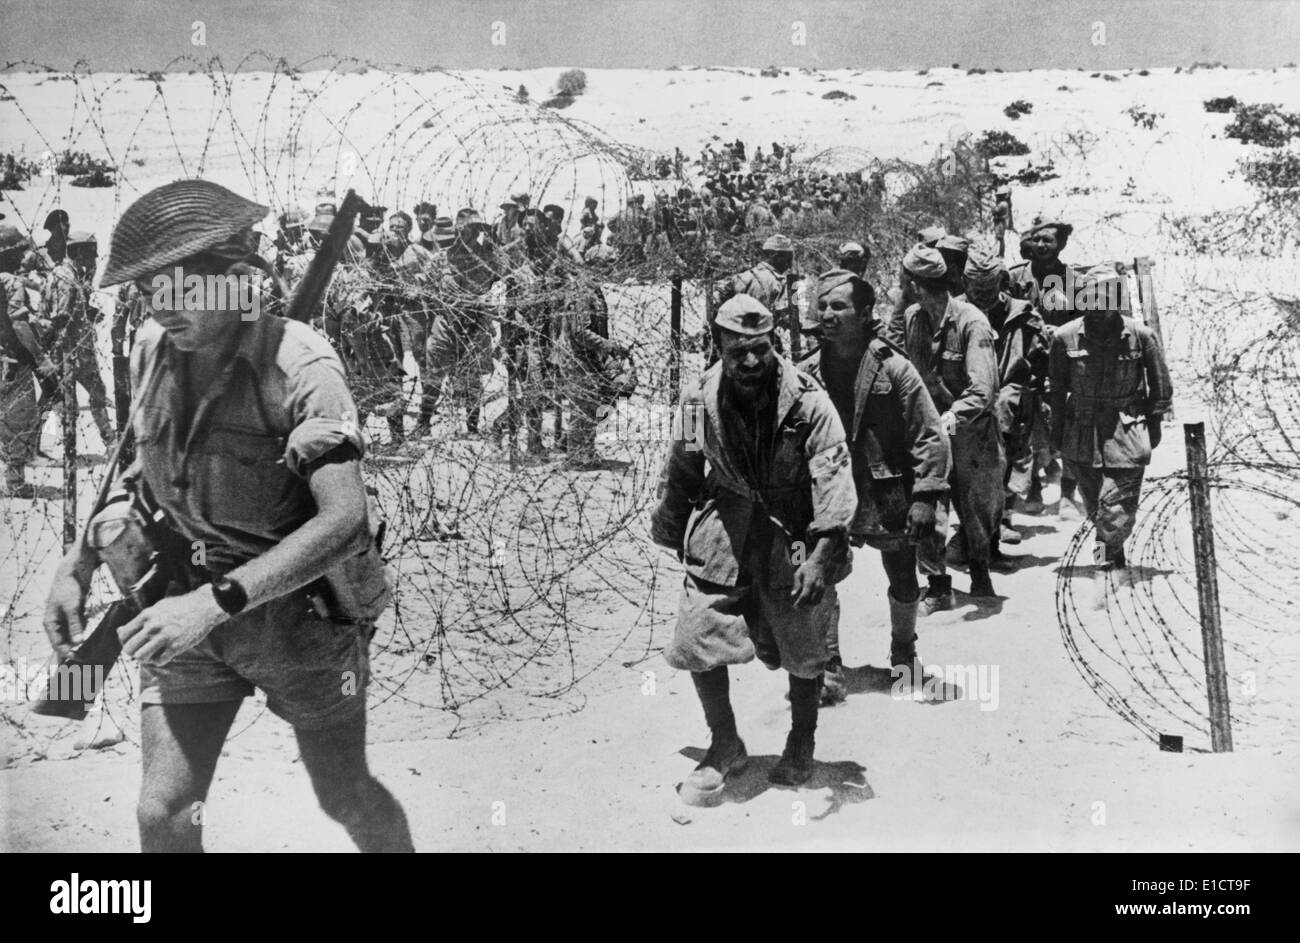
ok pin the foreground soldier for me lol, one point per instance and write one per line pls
(952, 346)
(1110, 388)
(762, 537)
(899, 452)
(247, 440)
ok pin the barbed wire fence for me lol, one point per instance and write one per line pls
(519, 581)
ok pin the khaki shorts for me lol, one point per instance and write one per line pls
(314, 672)
(729, 625)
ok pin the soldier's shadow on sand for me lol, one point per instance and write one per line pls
(985, 606)
(846, 779)
(868, 679)
(1036, 530)
(1022, 561)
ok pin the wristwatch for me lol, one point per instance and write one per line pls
(230, 596)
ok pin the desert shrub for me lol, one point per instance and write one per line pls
(137, 161)
(74, 163)
(771, 72)
(562, 100)
(154, 76)
(1143, 118)
(571, 83)
(1110, 78)
(976, 71)
(1275, 171)
(1017, 108)
(1266, 125)
(1000, 144)
(1144, 72)
(96, 178)
(932, 84)
(1221, 106)
(923, 72)
(522, 94)
(1063, 88)
(1032, 175)
(837, 94)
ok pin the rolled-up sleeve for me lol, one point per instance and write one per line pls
(322, 409)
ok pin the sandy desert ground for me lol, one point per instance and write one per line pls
(582, 748)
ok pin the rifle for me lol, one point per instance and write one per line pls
(99, 650)
(311, 290)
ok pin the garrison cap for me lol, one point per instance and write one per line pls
(931, 235)
(80, 237)
(778, 242)
(174, 222)
(983, 267)
(834, 278)
(922, 261)
(744, 314)
(852, 250)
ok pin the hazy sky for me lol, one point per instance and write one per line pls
(116, 35)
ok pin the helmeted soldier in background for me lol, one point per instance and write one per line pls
(953, 348)
(899, 452)
(1110, 388)
(70, 316)
(23, 361)
(762, 536)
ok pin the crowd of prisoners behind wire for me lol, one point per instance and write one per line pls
(979, 386)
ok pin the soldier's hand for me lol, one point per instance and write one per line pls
(920, 519)
(172, 625)
(809, 582)
(65, 615)
(948, 423)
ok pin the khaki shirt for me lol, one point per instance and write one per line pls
(956, 358)
(236, 478)
(1104, 390)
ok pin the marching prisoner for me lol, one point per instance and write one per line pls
(22, 360)
(70, 317)
(1021, 348)
(1049, 284)
(899, 453)
(247, 440)
(952, 346)
(762, 537)
(1110, 388)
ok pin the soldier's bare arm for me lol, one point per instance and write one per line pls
(337, 530)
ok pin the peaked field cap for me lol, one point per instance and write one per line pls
(922, 261)
(778, 242)
(174, 222)
(744, 314)
(81, 237)
(851, 250)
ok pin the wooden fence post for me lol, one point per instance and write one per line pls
(1207, 587)
(675, 339)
